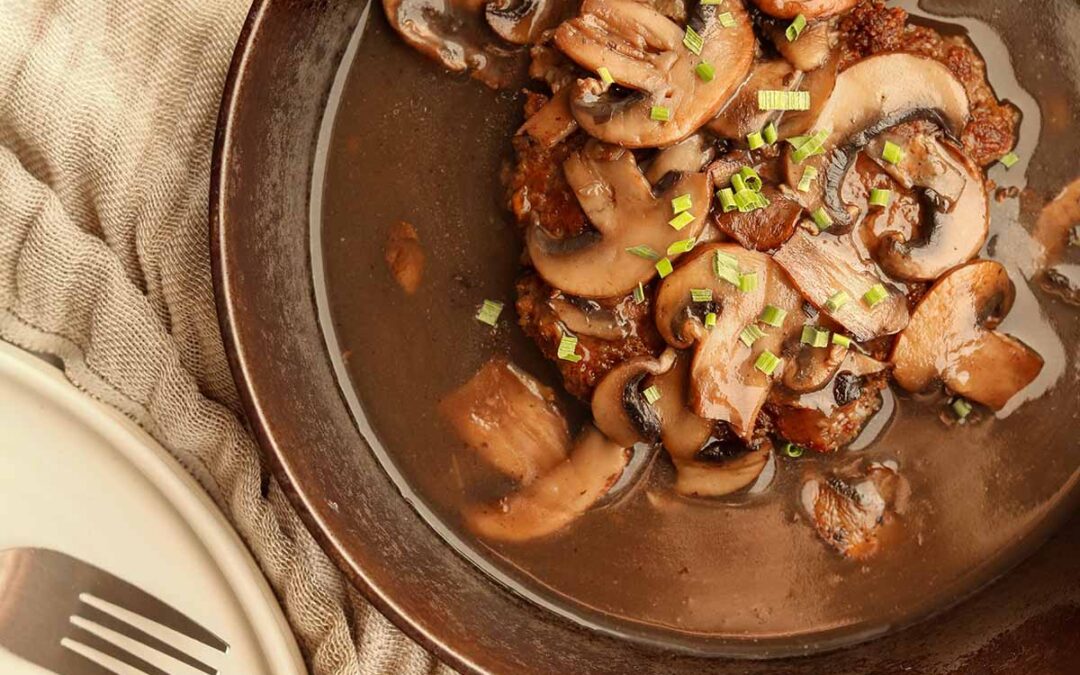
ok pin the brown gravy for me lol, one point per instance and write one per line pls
(696, 574)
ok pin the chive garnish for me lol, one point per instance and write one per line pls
(809, 146)
(710, 320)
(682, 203)
(567, 350)
(880, 197)
(748, 282)
(643, 251)
(822, 218)
(682, 220)
(489, 312)
(767, 362)
(795, 28)
(727, 199)
(722, 259)
(663, 267)
(750, 178)
(682, 246)
(750, 335)
(837, 300)
(605, 75)
(808, 176)
(705, 71)
(639, 294)
(961, 408)
(1010, 160)
(875, 295)
(793, 451)
(693, 41)
(773, 316)
(841, 340)
(814, 336)
(754, 140)
(770, 134)
(892, 153)
(701, 294)
(659, 113)
(652, 394)
(775, 99)
(727, 19)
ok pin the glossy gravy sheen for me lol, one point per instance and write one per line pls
(697, 574)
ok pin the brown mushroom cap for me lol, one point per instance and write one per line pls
(681, 431)
(872, 96)
(644, 52)
(811, 9)
(622, 208)
(722, 476)
(762, 229)
(618, 406)
(823, 265)
(815, 46)
(557, 498)
(951, 338)
(724, 384)
(689, 155)
(524, 22)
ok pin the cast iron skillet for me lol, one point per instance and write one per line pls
(264, 157)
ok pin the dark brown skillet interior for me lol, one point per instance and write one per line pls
(264, 283)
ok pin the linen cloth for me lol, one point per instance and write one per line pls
(107, 116)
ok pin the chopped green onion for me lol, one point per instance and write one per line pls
(815, 337)
(567, 350)
(727, 20)
(639, 294)
(664, 268)
(773, 315)
(961, 407)
(776, 99)
(682, 246)
(810, 146)
(841, 340)
(489, 312)
(892, 153)
(875, 295)
(693, 41)
(837, 300)
(770, 133)
(710, 320)
(747, 200)
(705, 71)
(1010, 160)
(712, 2)
(795, 28)
(727, 199)
(605, 75)
(652, 394)
(755, 141)
(738, 183)
(701, 294)
(748, 282)
(797, 141)
(767, 362)
(822, 218)
(682, 220)
(682, 203)
(750, 178)
(659, 113)
(880, 197)
(722, 259)
(750, 335)
(728, 274)
(643, 251)
(808, 176)
(790, 449)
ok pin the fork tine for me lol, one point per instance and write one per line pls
(107, 648)
(109, 621)
(118, 592)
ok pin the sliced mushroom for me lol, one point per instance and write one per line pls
(721, 468)
(951, 338)
(553, 123)
(557, 498)
(742, 115)
(524, 22)
(509, 419)
(813, 48)
(454, 33)
(643, 51)
(619, 407)
(585, 317)
(811, 368)
(690, 155)
(872, 96)
(762, 229)
(824, 265)
(682, 432)
(724, 382)
(625, 213)
(954, 198)
(811, 9)
(856, 513)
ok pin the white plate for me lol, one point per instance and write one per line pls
(77, 477)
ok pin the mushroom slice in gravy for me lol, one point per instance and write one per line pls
(625, 213)
(951, 338)
(509, 419)
(523, 22)
(619, 407)
(811, 9)
(558, 497)
(689, 155)
(852, 513)
(553, 123)
(725, 384)
(682, 432)
(644, 52)
(721, 468)
(824, 266)
(813, 48)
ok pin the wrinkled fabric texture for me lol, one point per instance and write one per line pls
(107, 117)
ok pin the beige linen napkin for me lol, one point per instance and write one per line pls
(107, 116)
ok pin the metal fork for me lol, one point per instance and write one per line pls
(63, 614)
